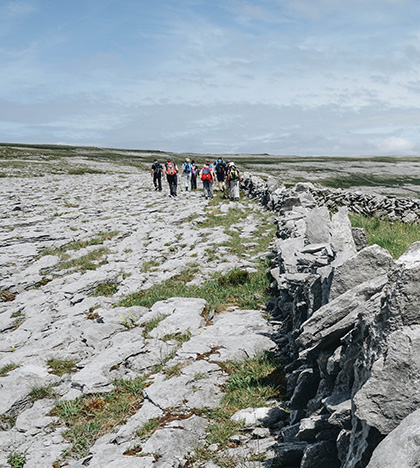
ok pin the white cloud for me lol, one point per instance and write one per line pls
(395, 145)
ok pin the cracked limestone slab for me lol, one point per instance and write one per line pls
(183, 314)
(184, 391)
(235, 335)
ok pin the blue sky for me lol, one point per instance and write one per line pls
(305, 77)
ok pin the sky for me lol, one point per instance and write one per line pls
(298, 77)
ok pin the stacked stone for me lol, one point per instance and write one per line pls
(348, 322)
(272, 194)
(392, 208)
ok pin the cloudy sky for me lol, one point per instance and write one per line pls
(305, 77)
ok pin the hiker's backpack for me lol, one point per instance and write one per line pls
(157, 168)
(206, 173)
(233, 174)
(170, 168)
(187, 167)
(220, 167)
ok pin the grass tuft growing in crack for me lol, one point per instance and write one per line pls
(107, 289)
(90, 417)
(61, 366)
(4, 371)
(99, 239)
(251, 383)
(251, 292)
(87, 262)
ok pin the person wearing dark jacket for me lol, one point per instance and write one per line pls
(157, 170)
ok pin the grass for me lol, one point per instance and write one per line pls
(107, 289)
(99, 239)
(148, 429)
(175, 370)
(179, 337)
(90, 417)
(128, 321)
(84, 170)
(4, 371)
(152, 324)
(250, 384)
(354, 180)
(39, 393)
(396, 237)
(7, 422)
(247, 295)
(17, 459)
(7, 296)
(18, 322)
(86, 262)
(61, 366)
(254, 381)
(147, 266)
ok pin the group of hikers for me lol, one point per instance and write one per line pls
(224, 173)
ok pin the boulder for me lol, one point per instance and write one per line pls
(392, 391)
(401, 447)
(321, 455)
(317, 226)
(266, 416)
(333, 320)
(367, 264)
(342, 241)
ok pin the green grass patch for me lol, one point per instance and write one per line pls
(82, 170)
(61, 366)
(17, 459)
(396, 236)
(39, 393)
(148, 429)
(179, 337)
(4, 371)
(107, 289)
(99, 239)
(175, 370)
(355, 180)
(87, 262)
(152, 324)
(7, 422)
(247, 295)
(147, 266)
(90, 417)
(251, 383)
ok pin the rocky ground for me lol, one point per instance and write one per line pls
(63, 238)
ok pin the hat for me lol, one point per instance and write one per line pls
(231, 163)
(169, 159)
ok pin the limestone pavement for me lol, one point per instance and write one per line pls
(134, 237)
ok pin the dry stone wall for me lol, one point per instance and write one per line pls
(392, 208)
(348, 324)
